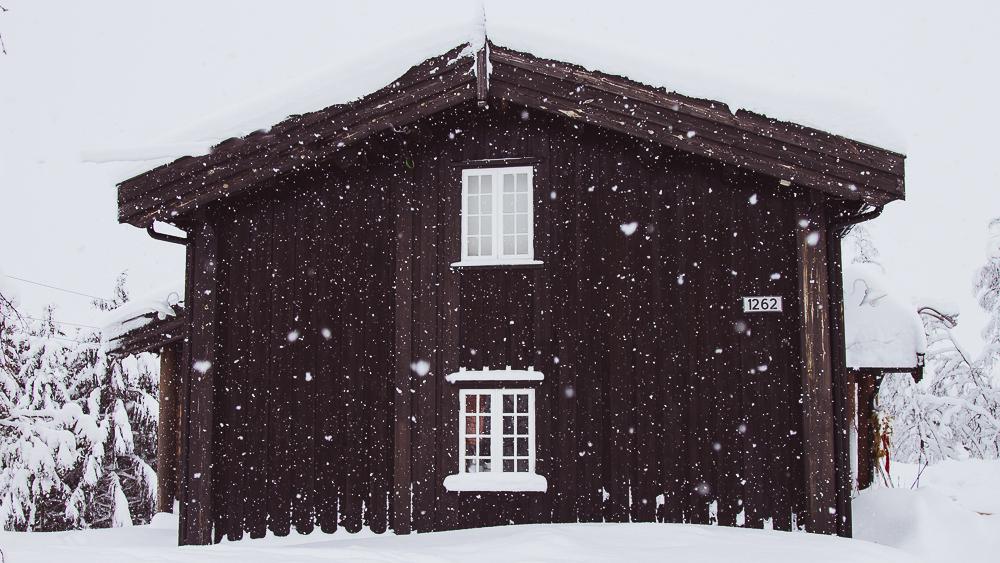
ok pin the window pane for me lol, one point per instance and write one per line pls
(508, 403)
(522, 403)
(522, 223)
(484, 425)
(487, 246)
(522, 203)
(522, 466)
(473, 204)
(470, 403)
(470, 466)
(508, 425)
(508, 224)
(484, 403)
(508, 203)
(470, 425)
(508, 466)
(508, 447)
(522, 425)
(484, 465)
(508, 183)
(508, 246)
(484, 446)
(473, 246)
(473, 223)
(522, 446)
(473, 185)
(522, 245)
(485, 204)
(486, 224)
(470, 446)
(522, 182)
(486, 185)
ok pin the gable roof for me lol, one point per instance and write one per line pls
(793, 153)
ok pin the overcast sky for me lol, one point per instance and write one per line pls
(96, 78)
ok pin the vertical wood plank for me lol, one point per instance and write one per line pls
(402, 392)
(196, 480)
(816, 368)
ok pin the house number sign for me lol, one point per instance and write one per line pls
(762, 304)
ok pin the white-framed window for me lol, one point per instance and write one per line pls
(497, 431)
(498, 216)
(496, 442)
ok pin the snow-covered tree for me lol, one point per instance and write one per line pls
(38, 440)
(987, 290)
(117, 483)
(77, 427)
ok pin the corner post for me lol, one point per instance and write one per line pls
(841, 386)
(817, 381)
(198, 390)
(166, 431)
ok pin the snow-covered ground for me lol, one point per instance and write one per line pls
(954, 515)
(562, 542)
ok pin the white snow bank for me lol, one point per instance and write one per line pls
(954, 515)
(541, 542)
(881, 328)
(158, 304)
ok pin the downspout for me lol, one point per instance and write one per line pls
(836, 230)
(151, 231)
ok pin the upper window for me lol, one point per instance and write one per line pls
(497, 215)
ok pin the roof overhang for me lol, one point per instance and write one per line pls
(794, 154)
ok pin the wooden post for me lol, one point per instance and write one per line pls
(817, 382)
(197, 394)
(166, 431)
(402, 394)
(482, 75)
(867, 389)
(841, 387)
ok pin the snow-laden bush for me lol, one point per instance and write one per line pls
(77, 428)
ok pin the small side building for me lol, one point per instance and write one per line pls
(504, 289)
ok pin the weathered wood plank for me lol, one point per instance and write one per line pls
(817, 383)
(196, 430)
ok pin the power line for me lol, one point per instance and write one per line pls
(57, 288)
(62, 322)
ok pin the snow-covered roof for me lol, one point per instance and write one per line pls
(158, 304)
(882, 330)
(487, 71)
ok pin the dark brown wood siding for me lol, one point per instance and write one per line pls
(661, 399)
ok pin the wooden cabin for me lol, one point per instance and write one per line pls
(508, 290)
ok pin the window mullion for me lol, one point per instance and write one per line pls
(497, 215)
(496, 431)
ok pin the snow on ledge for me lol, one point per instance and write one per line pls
(496, 481)
(495, 375)
(493, 263)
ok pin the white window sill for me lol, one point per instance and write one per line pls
(497, 482)
(495, 375)
(495, 263)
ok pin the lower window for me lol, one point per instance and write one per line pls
(496, 442)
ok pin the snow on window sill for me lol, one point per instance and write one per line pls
(497, 264)
(495, 375)
(497, 482)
